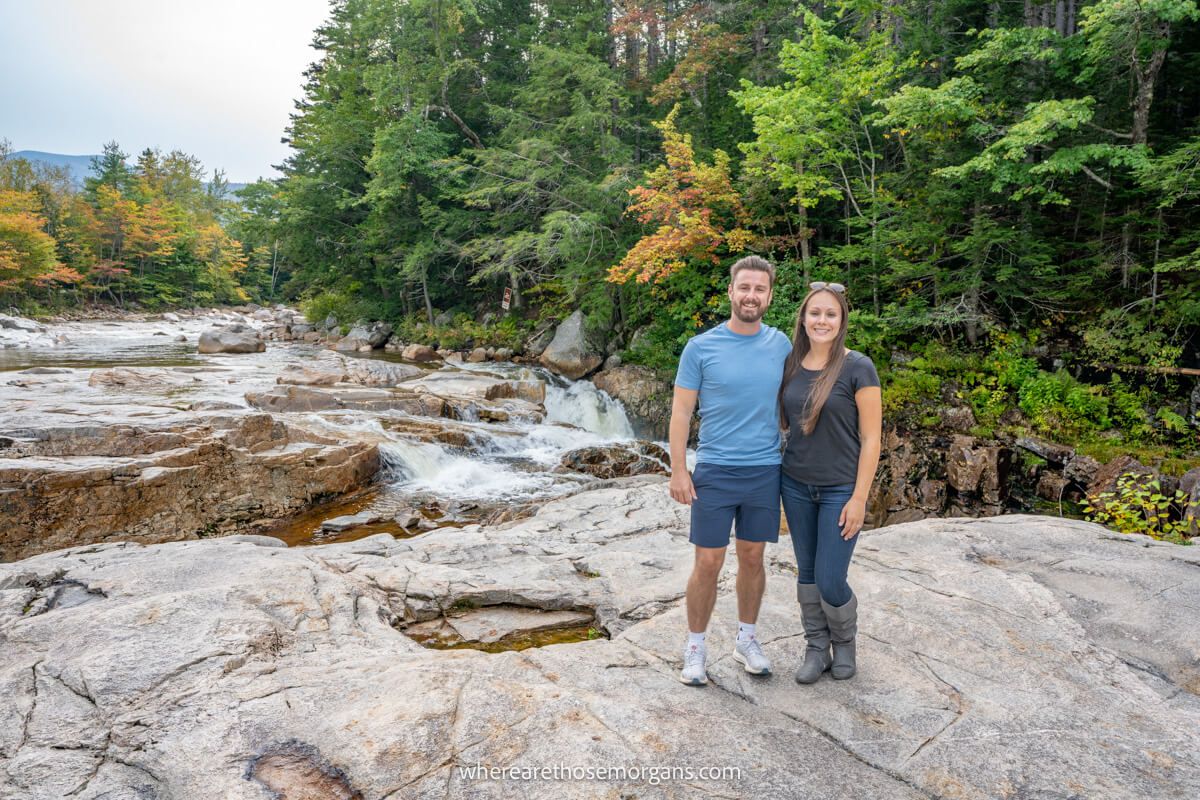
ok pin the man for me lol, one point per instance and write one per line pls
(734, 370)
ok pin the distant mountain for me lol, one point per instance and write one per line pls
(80, 166)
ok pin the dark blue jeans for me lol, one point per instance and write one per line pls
(822, 555)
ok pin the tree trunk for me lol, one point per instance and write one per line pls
(425, 296)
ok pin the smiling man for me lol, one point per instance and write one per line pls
(734, 371)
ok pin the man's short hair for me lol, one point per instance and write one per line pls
(754, 263)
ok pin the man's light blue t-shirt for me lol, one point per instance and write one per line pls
(738, 378)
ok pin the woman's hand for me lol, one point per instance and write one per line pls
(851, 520)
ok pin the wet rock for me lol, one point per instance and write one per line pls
(232, 339)
(502, 354)
(493, 623)
(349, 521)
(618, 461)
(292, 399)
(645, 394)
(138, 378)
(408, 518)
(263, 315)
(420, 352)
(569, 353)
(475, 385)
(368, 372)
(477, 356)
(170, 317)
(312, 374)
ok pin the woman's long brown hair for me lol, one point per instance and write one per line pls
(823, 385)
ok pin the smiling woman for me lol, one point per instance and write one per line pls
(833, 407)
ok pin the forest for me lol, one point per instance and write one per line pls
(1009, 189)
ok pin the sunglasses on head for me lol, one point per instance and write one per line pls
(817, 286)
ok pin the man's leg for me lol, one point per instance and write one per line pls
(701, 597)
(751, 580)
(702, 586)
(751, 583)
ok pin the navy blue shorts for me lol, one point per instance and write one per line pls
(748, 496)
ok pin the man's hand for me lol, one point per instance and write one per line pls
(851, 519)
(683, 404)
(681, 487)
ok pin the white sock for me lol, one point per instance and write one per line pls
(696, 639)
(745, 631)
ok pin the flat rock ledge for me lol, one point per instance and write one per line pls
(207, 475)
(1006, 657)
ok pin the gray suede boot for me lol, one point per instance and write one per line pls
(843, 627)
(816, 657)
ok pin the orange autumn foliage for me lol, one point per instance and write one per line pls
(699, 213)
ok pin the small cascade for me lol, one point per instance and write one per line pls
(583, 405)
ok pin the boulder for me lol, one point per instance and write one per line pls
(1107, 476)
(477, 356)
(420, 352)
(364, 336)
(312, 374)
(170, 317)
(618, 461)
(977, 469)
(263, 315)
(234, 338)
(569, 353)
(20, 324)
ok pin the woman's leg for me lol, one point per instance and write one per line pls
(802, 526)
(801, 513)
(831, 565)
(831, 562)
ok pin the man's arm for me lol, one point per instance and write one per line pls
(683, 404)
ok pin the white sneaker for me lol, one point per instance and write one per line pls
(694, 673)
(750, 655)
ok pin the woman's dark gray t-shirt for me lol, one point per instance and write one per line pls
(829, 456)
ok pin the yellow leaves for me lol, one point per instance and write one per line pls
(697, 209)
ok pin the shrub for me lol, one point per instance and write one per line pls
(1139, 506)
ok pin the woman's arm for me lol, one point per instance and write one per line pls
(869, 400)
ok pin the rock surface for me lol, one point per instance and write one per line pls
(236, 338)
(569, 353)
(1006, 657)
(645, 395)
(92, 483)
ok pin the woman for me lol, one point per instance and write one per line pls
(831, 402)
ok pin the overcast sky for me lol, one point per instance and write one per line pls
(214, 78)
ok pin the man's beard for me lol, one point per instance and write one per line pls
(748, 313)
